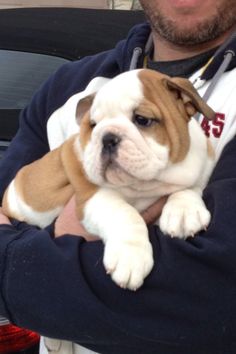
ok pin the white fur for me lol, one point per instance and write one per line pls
(128, 252)
(62, 123)
(184, 214)
(196, 166)
(121, 96)
(132, 154)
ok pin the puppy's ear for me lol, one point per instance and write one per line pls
(191, 99)
(83, 106)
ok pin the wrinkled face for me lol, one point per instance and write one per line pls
(135, 127)
(190, 22)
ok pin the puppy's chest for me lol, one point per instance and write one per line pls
(143, 195)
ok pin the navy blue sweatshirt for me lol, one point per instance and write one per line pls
(59, 288)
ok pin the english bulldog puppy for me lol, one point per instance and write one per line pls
(137, 142)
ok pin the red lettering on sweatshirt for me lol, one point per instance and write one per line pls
(215, 127)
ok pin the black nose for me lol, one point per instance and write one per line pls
(110, 142)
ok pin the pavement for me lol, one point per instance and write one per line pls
(125, 4)
(122, 4)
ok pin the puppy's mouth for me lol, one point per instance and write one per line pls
(115, 174)
(112, 171)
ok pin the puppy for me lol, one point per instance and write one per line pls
(137, 142)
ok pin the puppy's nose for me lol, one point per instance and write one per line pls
(110, 143)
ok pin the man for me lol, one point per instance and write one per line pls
(58, 287)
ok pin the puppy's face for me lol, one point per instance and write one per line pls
(135, 126)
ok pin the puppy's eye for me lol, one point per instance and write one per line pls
(92, 124)
(143, 121)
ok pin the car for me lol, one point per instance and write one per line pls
(34, 42)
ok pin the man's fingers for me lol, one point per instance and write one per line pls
(3, 218)
(68, 223)
(152, 213)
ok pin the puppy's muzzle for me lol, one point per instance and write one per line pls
(110, 143)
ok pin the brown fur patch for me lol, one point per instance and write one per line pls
(157, 131)
(173, 128)
(83, 188)
(43, 184)
(210, 150)
(52, 180)
(85, 130)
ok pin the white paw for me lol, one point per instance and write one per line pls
(128, 263)
(184, 214)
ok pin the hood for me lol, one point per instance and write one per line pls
(130, 54)
(136, 45)
(227, 48)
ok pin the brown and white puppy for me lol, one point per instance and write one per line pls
(137, 142)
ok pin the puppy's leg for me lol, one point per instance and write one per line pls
(128, 251)
(184, 214)
(15, 207)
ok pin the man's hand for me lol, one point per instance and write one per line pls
(152, 213)
(68, 223)
(3, 218)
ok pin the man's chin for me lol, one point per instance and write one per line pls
(189, 27)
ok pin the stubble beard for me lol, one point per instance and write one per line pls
(206, 30)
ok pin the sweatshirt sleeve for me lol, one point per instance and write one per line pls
(59, 288)
(30, 142)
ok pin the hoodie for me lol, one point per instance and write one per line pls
(58, 287)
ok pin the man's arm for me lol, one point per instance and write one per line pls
(68, 223)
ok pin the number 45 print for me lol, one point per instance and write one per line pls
(214, 127)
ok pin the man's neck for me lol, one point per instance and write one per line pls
(166, 51)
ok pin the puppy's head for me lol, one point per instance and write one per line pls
(135, 125)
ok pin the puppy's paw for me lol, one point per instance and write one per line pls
(184, 215)
(128, 263)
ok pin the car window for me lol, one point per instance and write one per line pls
(35, 42)
(21, 75)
